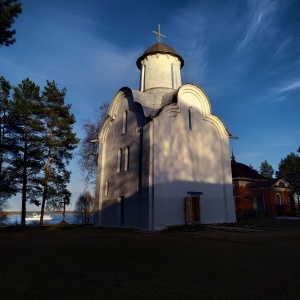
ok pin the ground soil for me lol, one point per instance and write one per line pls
(216, 262)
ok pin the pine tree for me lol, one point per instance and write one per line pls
(25, 139)
(289, 167)
(266, 170)
(59, 142)
(9, 11)
(7, 178)
(7, 186)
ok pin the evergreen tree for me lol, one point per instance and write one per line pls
(25, 139)
(59, 141)
(7, 178)
(9, 10)
(88, 151)
(7, 187)
(289, 168)
(266, 170)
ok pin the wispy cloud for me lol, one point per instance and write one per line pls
(289, 87)
(284, 144)
(258, 21)
(282, 47)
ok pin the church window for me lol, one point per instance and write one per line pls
(278, 199)
(126, 163)
(124, 128)
(106, 187)
(288, 201)
(172, 75)
(190, 118)
(143, 81)
(141, 78)
(119, 160)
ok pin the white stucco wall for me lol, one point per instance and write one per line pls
(124, 183)
(156, 71)
(191, 160)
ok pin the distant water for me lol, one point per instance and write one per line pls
(57, 217)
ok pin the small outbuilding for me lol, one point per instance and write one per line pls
(256, 195)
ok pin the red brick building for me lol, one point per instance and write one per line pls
(256, 195)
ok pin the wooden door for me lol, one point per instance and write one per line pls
(192, 209)
(196, 208)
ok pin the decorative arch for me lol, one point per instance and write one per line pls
(205, 107)
(124, 92)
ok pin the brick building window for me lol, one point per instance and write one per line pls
(288, 201)
(277, 199)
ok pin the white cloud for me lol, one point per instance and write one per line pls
(282, 47)
(259, 21)
(289, 87)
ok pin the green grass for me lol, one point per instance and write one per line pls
(53, 262)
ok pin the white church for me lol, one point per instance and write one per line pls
(164, 158)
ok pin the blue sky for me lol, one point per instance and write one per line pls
(245, 55)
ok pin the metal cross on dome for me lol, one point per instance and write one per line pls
(159, 34)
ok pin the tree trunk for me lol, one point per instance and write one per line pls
(24, 186)
(43, 205)
(298, 196)
(47, 171)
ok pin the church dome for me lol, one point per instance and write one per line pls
(159, 48)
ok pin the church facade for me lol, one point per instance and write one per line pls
(164, 158)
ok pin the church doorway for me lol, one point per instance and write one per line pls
(192, 209)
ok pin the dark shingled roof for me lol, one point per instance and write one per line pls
(159, 48)
(241, 170)
(263, 184)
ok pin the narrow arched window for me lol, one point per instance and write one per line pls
(278, 199)
(141, 78)
(106, 187)
(126, 163)
(144, 78)
(172, 76)
(124, 128)
(190, 118)
(119, 160)
(288, 201)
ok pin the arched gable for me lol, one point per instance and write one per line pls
(282, 182)
(133, 100)
(205, 107)
(124, 92)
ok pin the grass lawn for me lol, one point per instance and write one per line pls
(76, 262)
